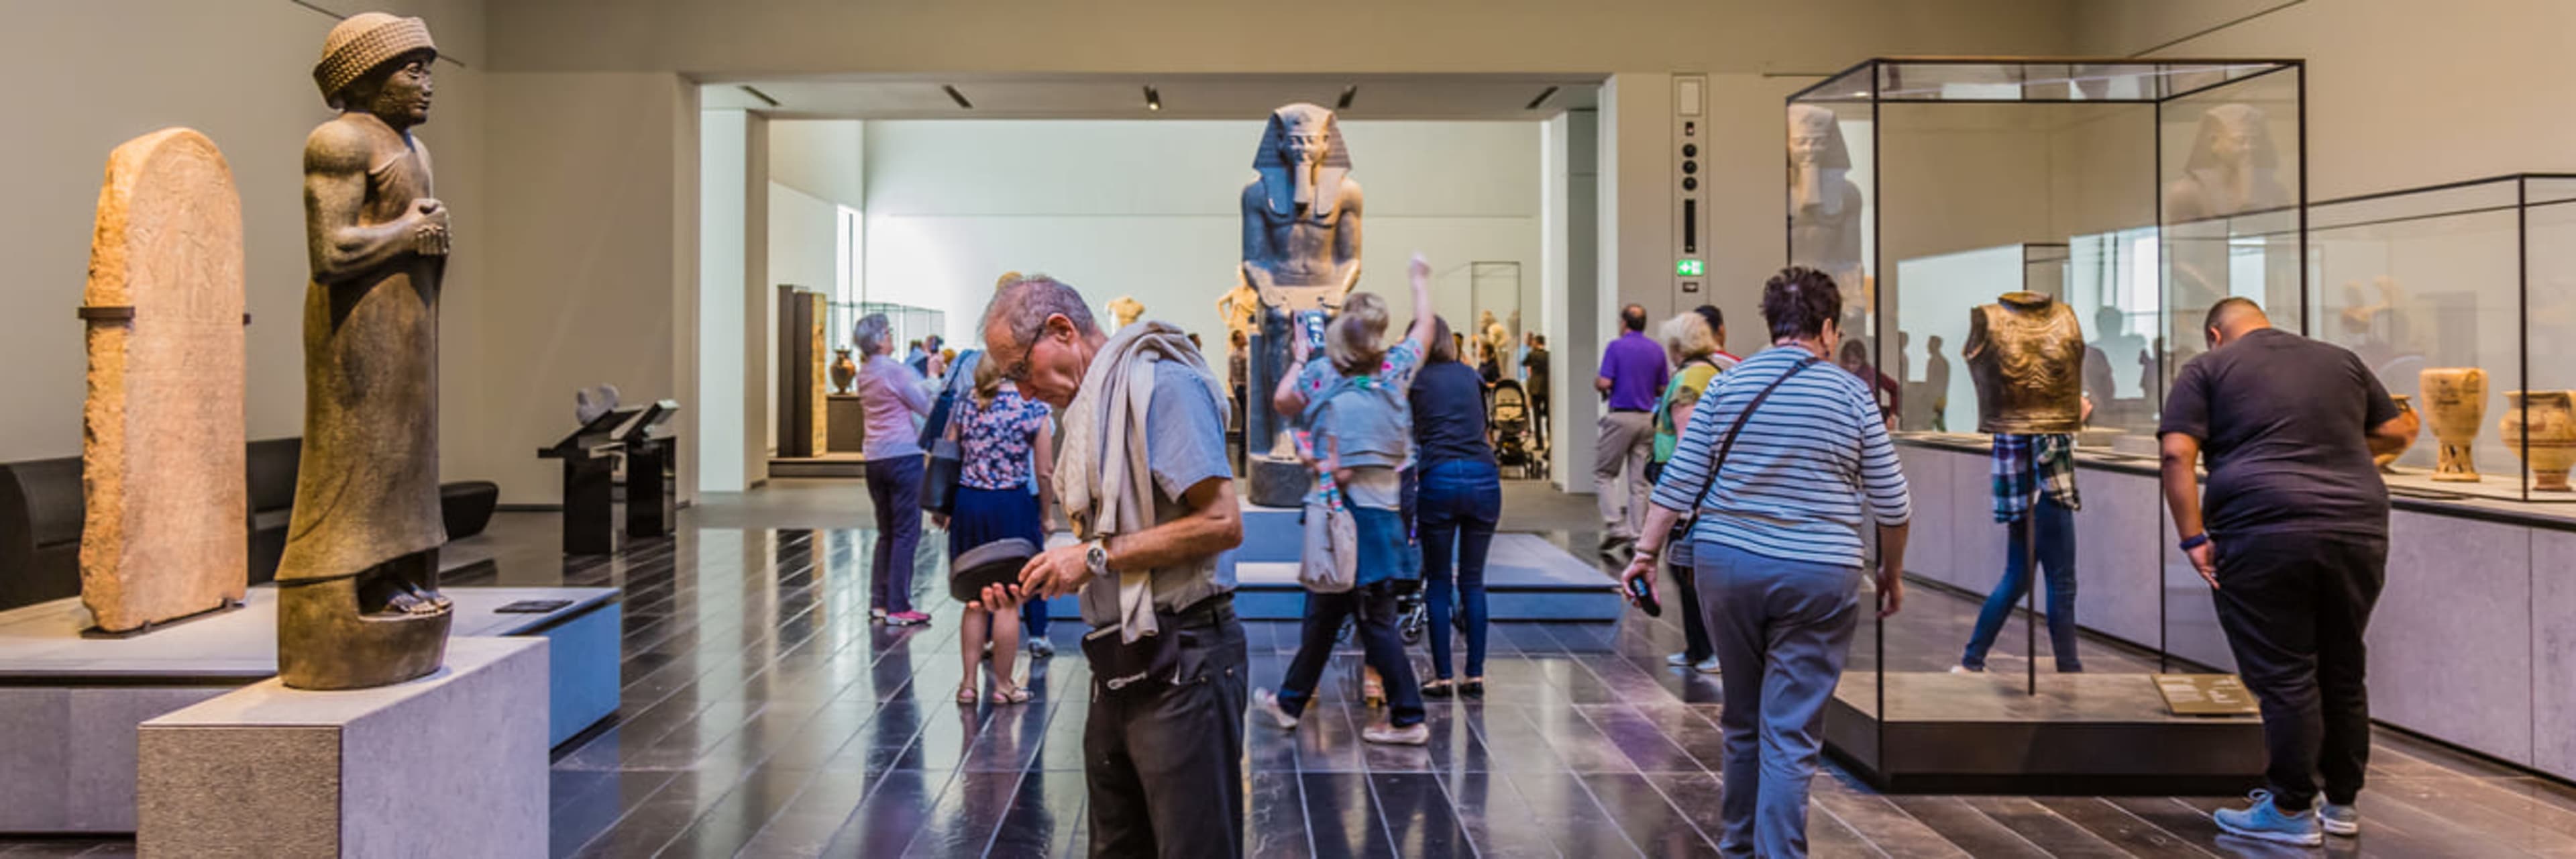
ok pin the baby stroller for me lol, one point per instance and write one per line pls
(1513, 432)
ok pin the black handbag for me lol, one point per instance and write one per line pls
(1677, 541)
(941, 468)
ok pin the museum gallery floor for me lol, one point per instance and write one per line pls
(764, 716)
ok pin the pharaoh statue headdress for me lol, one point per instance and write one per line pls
(1319, 189)
(1809, 185)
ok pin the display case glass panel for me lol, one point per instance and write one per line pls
(2135, 193)
(2468, 288)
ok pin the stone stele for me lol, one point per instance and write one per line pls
(162, 449)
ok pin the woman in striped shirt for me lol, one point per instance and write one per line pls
(1777, 550)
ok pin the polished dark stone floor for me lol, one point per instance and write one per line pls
(764, 716)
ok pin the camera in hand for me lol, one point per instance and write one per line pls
(1644, 595)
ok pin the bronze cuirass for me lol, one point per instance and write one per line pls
(2026, 354)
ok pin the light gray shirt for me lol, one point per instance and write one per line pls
(1184, 445)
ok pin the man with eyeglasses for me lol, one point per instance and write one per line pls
(1154, 501)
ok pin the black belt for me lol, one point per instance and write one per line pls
(1630, 411)
(1212, 611)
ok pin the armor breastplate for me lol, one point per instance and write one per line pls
(2026, 355)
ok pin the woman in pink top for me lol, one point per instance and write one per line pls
(893, 397)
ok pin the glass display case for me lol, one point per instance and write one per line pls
(2137, 194)
(2462, 299)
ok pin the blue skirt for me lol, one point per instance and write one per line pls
(985, 515)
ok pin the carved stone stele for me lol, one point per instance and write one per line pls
(162, 448)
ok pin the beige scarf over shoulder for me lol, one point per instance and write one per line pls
(1103, 476)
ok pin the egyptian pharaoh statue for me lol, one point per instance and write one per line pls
(358, 601)
(1301, 239)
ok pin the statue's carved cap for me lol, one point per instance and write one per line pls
(363, 42)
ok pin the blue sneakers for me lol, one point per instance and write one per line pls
(2342, 820)
(2266, 822)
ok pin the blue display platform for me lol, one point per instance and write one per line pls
(1526, 577)
(71, 704)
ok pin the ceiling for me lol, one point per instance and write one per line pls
(1449, 97)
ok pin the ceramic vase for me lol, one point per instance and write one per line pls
(2388, 461)
(2456, 397)
(2549, 419)
(844, 371)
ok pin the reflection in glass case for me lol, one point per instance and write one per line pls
(2134, 193)
(2462, 299)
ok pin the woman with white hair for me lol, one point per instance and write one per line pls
(1691, 343)
(891, 396)
(1357, 413)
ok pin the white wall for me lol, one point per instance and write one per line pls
(1150, 209)
(87, 77)
(2401, 93)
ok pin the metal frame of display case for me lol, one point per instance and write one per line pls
(2068, 81)
(2517, 193)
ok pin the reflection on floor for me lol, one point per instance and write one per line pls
(764, 716)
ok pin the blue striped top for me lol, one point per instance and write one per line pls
(1794, 486)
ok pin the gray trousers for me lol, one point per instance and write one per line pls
(1782, 630)
(1626, 443)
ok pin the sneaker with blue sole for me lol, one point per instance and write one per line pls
(2265, 821)
(2340, 820)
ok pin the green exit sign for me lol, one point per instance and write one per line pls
(1688, 268)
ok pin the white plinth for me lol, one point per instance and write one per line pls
(453, 764)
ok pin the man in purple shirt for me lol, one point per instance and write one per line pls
(1633, 374)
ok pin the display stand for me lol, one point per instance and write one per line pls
(590, 457)
(452, 764)
(652, 472)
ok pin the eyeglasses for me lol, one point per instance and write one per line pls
(1018, 371)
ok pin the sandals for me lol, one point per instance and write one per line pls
(1009, 694)
(966, 693)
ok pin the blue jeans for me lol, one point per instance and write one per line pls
(2057, 559)
(1461, 500)
(894, 489)
(1374, 607)
(1782, 630)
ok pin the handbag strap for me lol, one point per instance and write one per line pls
(1740, 417)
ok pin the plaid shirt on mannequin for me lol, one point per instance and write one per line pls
(2027, 465)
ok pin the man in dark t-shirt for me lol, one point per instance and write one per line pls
(2295, 547)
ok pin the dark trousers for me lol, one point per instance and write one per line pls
(2056, 548)
(1461, 501)
(2294, 606)
(1539, 413)
(1374, 606)
(894, 489)
(1165, 769)
(1695, 643)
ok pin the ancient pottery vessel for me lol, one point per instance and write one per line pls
(2456, 397)
(2549, 420)
(2388, 461)
(844, 371)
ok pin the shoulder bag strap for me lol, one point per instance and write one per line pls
(1740, 417)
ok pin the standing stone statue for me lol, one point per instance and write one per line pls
(1826, 208)
(162, 447)
(1301, 251)
(358, 601)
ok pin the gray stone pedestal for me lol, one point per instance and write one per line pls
(453, 764)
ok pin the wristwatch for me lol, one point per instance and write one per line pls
(1096, 559)
(2195, 541)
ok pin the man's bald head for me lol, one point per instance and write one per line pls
(2233, 317)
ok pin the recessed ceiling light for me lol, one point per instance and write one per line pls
(1153, 99)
